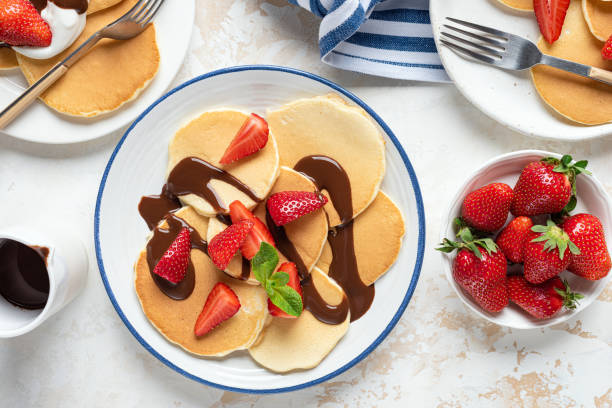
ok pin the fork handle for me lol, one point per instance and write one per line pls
(601, 75)
(576, 68)
(40, 86)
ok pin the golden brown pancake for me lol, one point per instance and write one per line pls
(302, 343)
(579, 99)
(327, 125)
(307, 234)
(598, 15)
(207, 138)
(522, 5)
(8, 60)
(175, 319)
(112, 74)
(97, 5)
(378, 233)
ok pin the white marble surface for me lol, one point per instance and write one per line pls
(439, 354)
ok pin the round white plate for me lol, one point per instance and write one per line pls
(137, 167)
(592, 199)
(173, 22)
(509, 97)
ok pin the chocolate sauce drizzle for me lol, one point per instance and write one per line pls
(159, 244)
(80, 6)
(192, 176)
(153, 208)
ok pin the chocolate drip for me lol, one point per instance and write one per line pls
(286, 247)
(157, 246)
(328, 174)
(192, 176)
(246, 264)
(24, 279)
(324, 312)
(79, 5)
(153, 208)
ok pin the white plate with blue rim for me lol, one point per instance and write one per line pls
(173, 23)
(508, 97)
(137, 167)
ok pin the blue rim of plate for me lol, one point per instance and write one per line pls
(420, 246)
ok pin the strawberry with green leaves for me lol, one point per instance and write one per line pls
(547, 186)
(593, 261)
(282, 287)
(548, 252)
(479, 268)
(486, 209)
(543, 300)
(511, 240)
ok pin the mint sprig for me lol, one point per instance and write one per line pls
(275, 283)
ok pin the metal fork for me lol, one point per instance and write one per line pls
(508, 51)
(132, 23)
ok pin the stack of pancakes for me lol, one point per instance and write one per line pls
(323, 125)
(110, 75)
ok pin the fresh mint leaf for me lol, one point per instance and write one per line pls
(264, 262)
(279, 279)
(288, 300)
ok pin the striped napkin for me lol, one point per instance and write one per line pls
(390, 38)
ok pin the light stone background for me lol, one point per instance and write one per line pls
(440, 354)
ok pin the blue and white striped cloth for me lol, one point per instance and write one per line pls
(390, 38)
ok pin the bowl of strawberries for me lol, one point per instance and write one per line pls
(524, 241)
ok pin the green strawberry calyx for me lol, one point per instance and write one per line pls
(467, 240)
(570, 299)
(554, 238)
(566, 166)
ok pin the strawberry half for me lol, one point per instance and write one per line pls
(259, 234)
(606, 51)
(173, 264)
(225, 244)
(252, 137)
(221, 304)
(21, 25)
(544, 300)
(294, 281)
(288, 206)
(550, 15)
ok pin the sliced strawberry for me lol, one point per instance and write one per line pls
(252, 137)
(550, 15)
(294, 282)
(173, 264)
(288, 206)
(21, 25)
(259, 234)
(225, 244)
(221, 304)
(606, 51)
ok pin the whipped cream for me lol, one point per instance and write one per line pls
(66, 26)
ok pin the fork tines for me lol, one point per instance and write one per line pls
(485, 44)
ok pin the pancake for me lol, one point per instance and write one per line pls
(175, 320)
(378, 233)
(598, 15)
(522, 5)
(110, 75)
(308, 234)
(207, 137)
(302, 343)
(327, 125)
(579, 99)
(97, 5)
(8, 59)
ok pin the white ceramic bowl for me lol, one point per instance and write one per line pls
(509, 97)
(138, 166)
(592, 198)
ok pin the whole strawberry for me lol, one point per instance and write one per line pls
(511, 240)
(480, 269)
(546, 186)
(21, 25)
(544, 300)
(587, 233)
(486, 209)
(548, 252)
